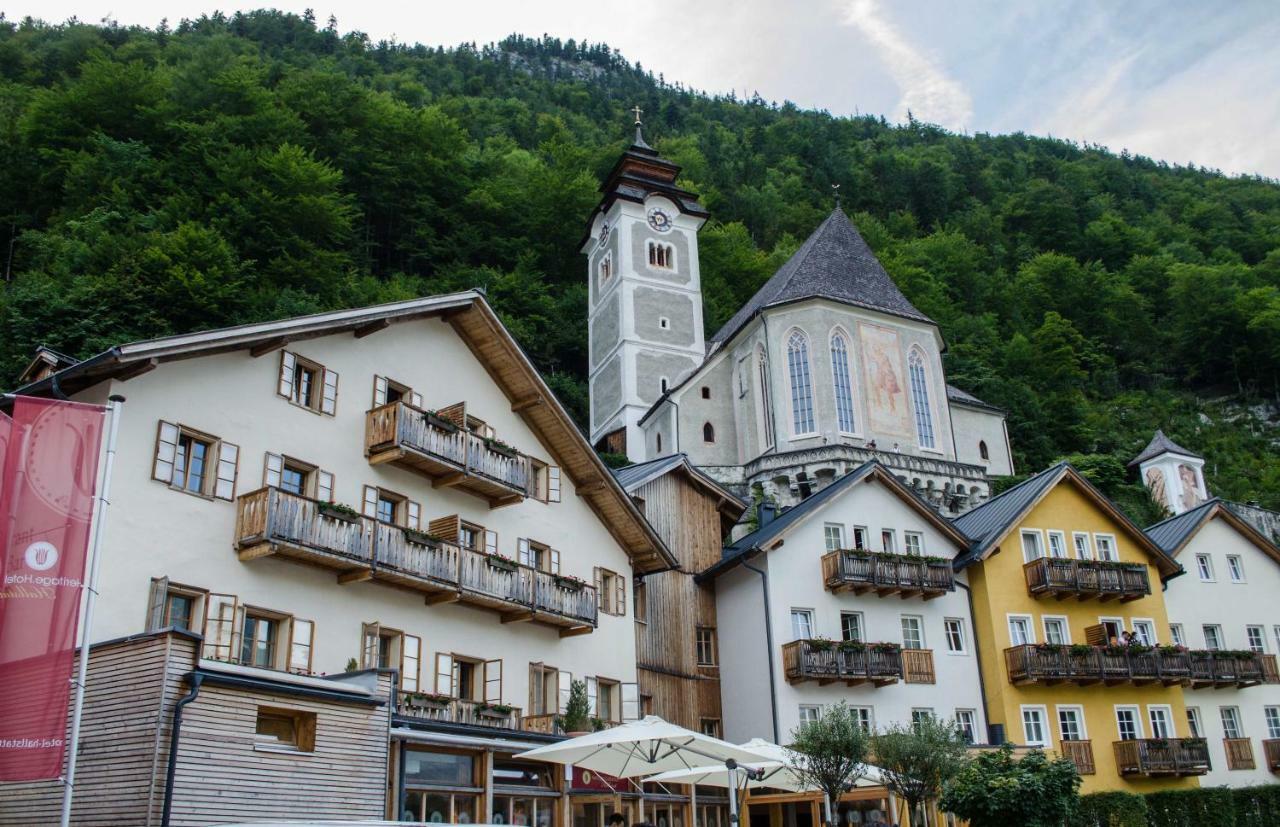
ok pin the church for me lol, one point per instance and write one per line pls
(826, 367)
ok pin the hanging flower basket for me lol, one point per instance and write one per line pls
(338, 511)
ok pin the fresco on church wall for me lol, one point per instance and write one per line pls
(889, 411)
(1155, 484)
(1190, 490)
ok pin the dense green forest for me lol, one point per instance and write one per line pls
(240, 168)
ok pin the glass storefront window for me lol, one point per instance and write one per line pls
(438, 769)
(441, 808)
(508, 773)
(713, 815)
(523, 811)
(664, 814)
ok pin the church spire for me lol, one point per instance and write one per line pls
(639, 141)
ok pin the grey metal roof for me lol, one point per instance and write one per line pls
(954, 394)
(833, 263)
(988, 522)
(1170, 534)
(634, 476)
(1160, 444)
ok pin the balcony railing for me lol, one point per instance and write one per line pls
(1271, 753)
(549, 724)
(1084, 579)
(828, 662)
(411, 438)
(1083, 665)
(1162, 756)
(1239, 753)
(459, 711)
(885, 574)
(273, 521)
(1081, 754)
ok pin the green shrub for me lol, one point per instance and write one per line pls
(1256, 806)
(1191, 808)
(1114, 809)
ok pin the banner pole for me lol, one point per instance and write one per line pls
(95, 552)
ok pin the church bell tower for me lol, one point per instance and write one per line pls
(645, 295)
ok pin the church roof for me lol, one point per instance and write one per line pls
(833, 263)
(1161, 444)
(960, 397)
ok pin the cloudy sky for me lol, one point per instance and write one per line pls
(1181, 80)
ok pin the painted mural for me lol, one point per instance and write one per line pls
(1190, 488)
(889, 410)
(1156, 484)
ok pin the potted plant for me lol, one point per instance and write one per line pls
(494, 711)
(499, 447)
(1080, 650)
(597, 724)
(1193, 742)
(500, 562)
(421, 538)
(576, 719)
(1049, 648)
(435, 420)
(568, 581)
(886, 648)
(820, 644)
(852, 646)
(427, 700)
(1158, 743)
(1172, 649)
(338, 511)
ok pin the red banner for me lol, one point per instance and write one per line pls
(50, 472)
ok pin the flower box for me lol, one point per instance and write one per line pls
(494, 711)
(421, 538)
(496, 561)
(438, 422)
(426, 700)
(501, 448)
(820, 644)
(338, 511)
(568, 581)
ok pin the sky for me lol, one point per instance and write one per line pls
(1185, 82)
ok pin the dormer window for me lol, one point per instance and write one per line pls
(662, 256)
(606, 268)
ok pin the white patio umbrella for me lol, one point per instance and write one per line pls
(778, 766)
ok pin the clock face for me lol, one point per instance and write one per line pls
(659, 220)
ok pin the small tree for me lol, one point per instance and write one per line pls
(996, 790)
(916, 760)
(831, 752)
(577, 709)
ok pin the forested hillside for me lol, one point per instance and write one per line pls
(233, 169)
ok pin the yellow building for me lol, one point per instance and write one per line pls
(1074, 641)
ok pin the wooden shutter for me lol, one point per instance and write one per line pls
(493, 681)
(553, 483)
(156, 602)
(1096, 635)
(413, 513)
(537, 686)
(288, 363)
(329, 401)
(490, 541)
(450, 528)
(410, 662)
(524, 555)
(593, 694)
(324, 486)
(601, 603)
(620, 600)
(166, 452)
(301, 633)
(369, 640)
(272, 470)
(555, 561)
(444, 674)
(370, 508)
(564, 681)
(379, 391)
(457, 414)
(415, 399)
(630, 701)
(224, 486)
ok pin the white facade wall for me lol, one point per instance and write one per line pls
(1194, 603)
(156, 531)
(975, 427)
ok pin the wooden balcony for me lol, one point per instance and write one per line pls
(829, 662)
(271, 521)
(427, 707)
(886, 574)
(917, 666)
(1271, 753)
(1087, 579)
(546, 724)
(1081, 754)
(1239, 753)
(1084, 665)
(451, 456)
(1162, 756)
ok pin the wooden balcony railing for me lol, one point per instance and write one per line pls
(885, 574)
(545, 723)
(411, 438)
(1084, 579)
(1083, 665)
(917, 666)
(829, 661)
(1081, 754)
(1271, 753)
(1239, 753)
(272, 521)
(1162, 756)
(459, 711)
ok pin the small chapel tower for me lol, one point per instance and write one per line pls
(645, 294)
(1174, 475)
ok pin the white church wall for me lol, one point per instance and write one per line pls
(975, 427)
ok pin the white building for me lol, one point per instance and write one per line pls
(1227, 600)
(809, 614)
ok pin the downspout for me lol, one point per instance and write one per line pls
(977, 654)
(174, 733)
(768, 638)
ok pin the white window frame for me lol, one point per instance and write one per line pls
(866, 546)
(866, 717)
(827, 536)
(892, 537)
(1204, 568)
(1113, 551)
(1217, 630)
(919, 624)
(1038, 536)
(1086, 551)
(1045, 736)
(967, 722)
(1177, 635)
(1149, 623)
(860, 620)
(1066, 628)
(807, 614)
(1195, 724)
(907, 537)
(1167, 711)
(794, 389)
(956, 623)
(850, 381)
(1081, 724)
(1237, 721)
(1139, 732)
(1271, 717)
(1118, 621)
(809, 712)
(1061, 537)
(1261, 648)
(922, 416)
(1235, 568)
(1031, 629)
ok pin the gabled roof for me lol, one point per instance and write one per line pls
(988, 524)
(633, 477)
(1173, 534)
(959, 397)
(834, 263)
(1161, 444)
(476, 325)
(768, 535)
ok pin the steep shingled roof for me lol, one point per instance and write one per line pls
(1160, 444)
(833, 263)
(961, 397)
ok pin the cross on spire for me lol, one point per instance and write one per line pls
(637, 111)
(639, 141)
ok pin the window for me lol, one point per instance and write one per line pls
(801, 388)
(982, 449)
(1161, 718)
(920, 715)
(888, 540)
(1230, 722)
(708, 433)
(1055, 630)
(766, 402)
(308, 384)
(640, 594)
(1127, 723)
(663, 384)
(611, 592)
(301, 638)
(862, 714)
(801, 624)
(286, 729)
(1212, 636)
(169, 604)
(1272, 716)
(912, 632)
(1236, 568)
(537, 555)
(546, 481)
(1033, 729)
(860, 542)
(386, 391)
(1276, 631)
(954, 628)
(967, 722)
(1205, 567)
(1175, 632)
(544, 688)
(179, 610)
(390, 507)
(1144, 631)
(605, 268)
(809, 713)
(1114, 627)
(914, 542)
(410, 663)
(1193, 722)
(664, 323)
(1081, 541)
(1032, 548)
(606, 705)
(920, 398)
(195, 462)
(1106, 547)
(833, 536)
(1071, 723)
(1257, 638)
(658, 443)
(662, 256)
(297, 477)
(706, 646)
(258, 640)
(709, 726)
(706, 392)
(851, 626)
(1057, 544)
(1020, 630)
(842, 383)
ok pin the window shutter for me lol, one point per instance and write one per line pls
(490, 541)
(410, 662)
(630, 702)
(620, 604)
(413, 513)
(601, 603)
(274, 467)
(444, 674)
(324, 486)
(555, 561)
(523, 555)
(446, 527)
(553, 483)
(301, 634)
(369, 647)
(155, 603)
(593, 692)
(493, 681)
(329, 402)
(288, 363)
(564, 682)
(370, 501)
(166, 452)
(224, 487)
(415, 399)
(220, 612)
(537, 688)
(379, 391)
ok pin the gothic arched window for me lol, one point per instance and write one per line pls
(766, 399)
(708, 432)
(801, 386)
(982, 449)
(842, 382)
(659, 444)
(920, 398)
